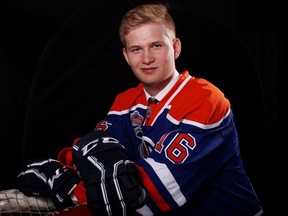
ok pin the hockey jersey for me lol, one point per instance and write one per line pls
(185, 148)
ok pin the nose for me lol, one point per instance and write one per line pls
(148, 57)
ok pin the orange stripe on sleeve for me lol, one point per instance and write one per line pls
(154, 194)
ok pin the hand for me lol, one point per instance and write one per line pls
(48, 178)
(110, 178)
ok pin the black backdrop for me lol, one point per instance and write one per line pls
(61, 66)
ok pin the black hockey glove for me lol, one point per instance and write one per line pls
(110, 178)
(48, 178)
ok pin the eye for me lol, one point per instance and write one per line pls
(135, 50)
(157, 46)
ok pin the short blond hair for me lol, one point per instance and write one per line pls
(143, 14)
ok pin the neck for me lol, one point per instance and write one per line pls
(154, 88)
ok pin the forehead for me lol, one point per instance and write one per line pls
(146, 33)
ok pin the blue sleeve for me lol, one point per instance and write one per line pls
(204, 165)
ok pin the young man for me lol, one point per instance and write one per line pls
(184, 144)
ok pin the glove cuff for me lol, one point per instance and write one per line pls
(80, 193)
(61, 194)
(65, 158)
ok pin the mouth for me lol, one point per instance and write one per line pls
(149, 70)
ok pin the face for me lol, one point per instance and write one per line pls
(151, 54)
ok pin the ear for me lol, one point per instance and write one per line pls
(125, 55)
(177, 47)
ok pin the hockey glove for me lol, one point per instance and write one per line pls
(48, 178)
(110, 178)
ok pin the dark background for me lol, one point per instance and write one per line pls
(61, 66)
